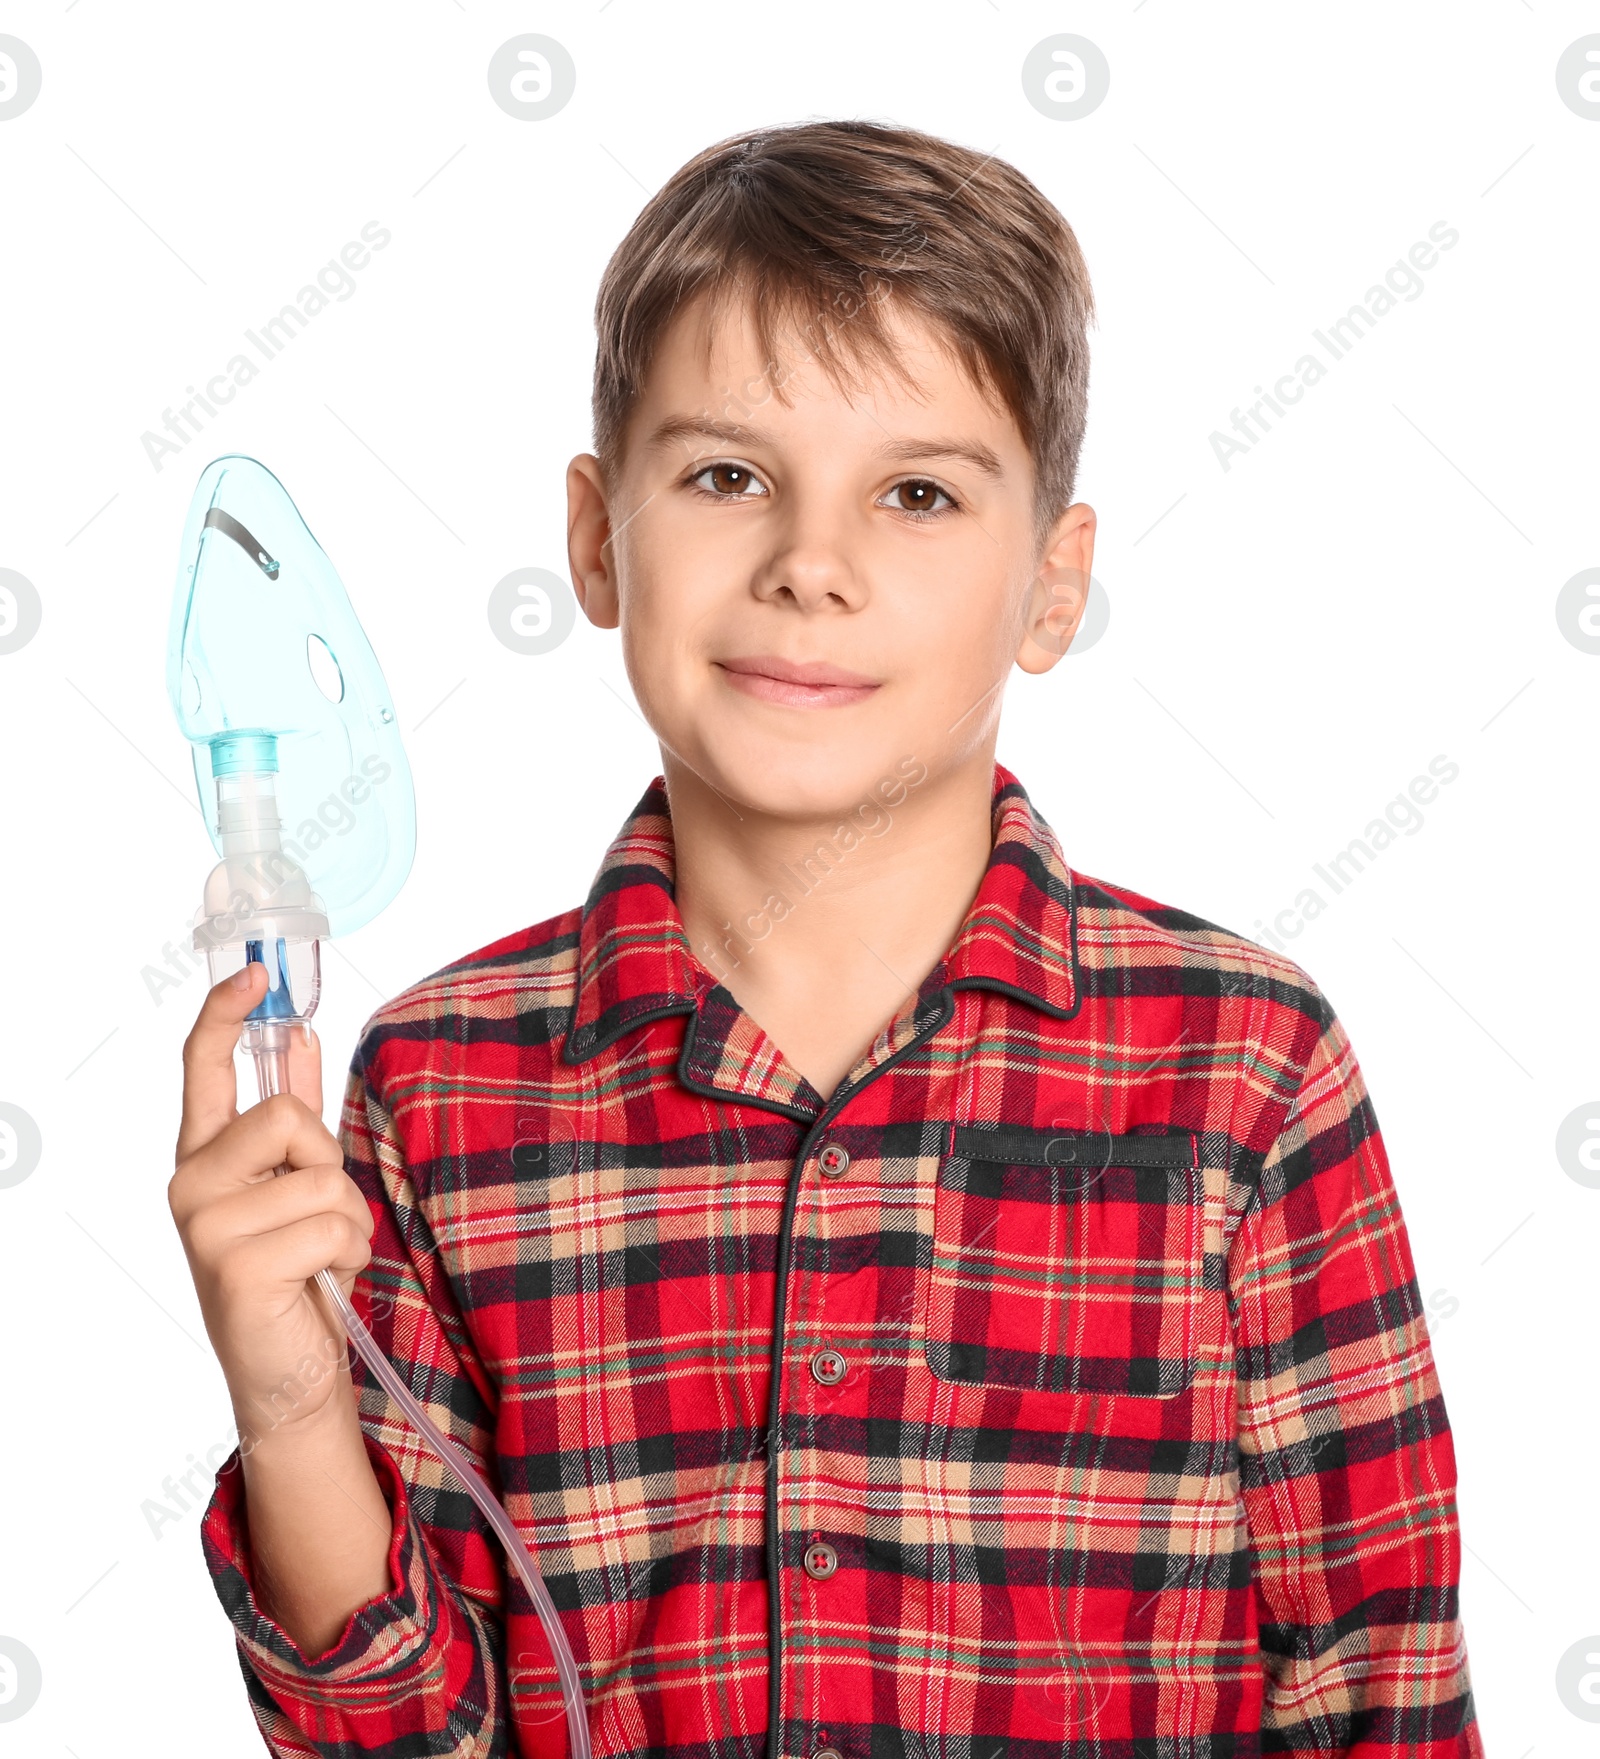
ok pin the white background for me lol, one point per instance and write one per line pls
(1291, 640)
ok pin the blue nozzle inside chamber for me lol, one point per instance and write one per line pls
(244, 753)
(278, 1002)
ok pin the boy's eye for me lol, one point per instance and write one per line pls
(915, 494)
(731, 481)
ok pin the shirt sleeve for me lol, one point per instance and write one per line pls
(419, 1669)
(1347, 1469)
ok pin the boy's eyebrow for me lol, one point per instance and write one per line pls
(683, 427)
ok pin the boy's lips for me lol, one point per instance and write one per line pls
(811, 684)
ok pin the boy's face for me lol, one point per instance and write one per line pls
(814, 588)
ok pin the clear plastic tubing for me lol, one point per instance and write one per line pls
(269, 1045)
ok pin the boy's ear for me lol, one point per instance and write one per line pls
(1059, 591)
(588, 541)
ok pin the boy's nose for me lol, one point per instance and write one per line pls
(813, 576)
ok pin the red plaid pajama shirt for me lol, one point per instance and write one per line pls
(1059, 1386)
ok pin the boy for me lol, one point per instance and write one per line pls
(915, 1297)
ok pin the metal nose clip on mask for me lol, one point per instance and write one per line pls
(308, 796)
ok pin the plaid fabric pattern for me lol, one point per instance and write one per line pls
(1060, 1386)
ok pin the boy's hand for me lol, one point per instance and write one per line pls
(254, 1239)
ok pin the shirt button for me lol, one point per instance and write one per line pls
(828, 1367)
(833, 1162)
(821, 1561)
(827, 1753)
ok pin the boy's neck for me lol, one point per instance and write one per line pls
(822, 930)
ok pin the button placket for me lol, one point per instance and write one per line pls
(819, 1560)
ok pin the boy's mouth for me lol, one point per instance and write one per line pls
(812, 684)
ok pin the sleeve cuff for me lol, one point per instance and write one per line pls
(387, 1636)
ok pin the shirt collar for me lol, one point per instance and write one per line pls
(635, 963)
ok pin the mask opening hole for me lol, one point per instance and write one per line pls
(325, 671)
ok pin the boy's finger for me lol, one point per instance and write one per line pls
(247, 1210)
(305, 1067)
(278, 1132)
(297, 1251)
(210, 1092)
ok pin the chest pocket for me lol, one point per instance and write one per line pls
(1067, 1261)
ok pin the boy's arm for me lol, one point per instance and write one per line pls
(1347, 1469)
(419, 1668)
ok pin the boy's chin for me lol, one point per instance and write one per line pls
(823, 784)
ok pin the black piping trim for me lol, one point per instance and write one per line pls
(1025, 995)
(599, 1037)
(707, 1091)
(840, 1098)
(1069, 1148)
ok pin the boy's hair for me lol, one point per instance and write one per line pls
(820, 223)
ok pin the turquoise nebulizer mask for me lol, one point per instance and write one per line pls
(297, 753)
(308, 797)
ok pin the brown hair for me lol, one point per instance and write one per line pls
(819, 223)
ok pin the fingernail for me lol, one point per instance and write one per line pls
(241, 978)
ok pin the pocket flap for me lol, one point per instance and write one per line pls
(1074, 1148)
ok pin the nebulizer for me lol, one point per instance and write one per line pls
(305, 787)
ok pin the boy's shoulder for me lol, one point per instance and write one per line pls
(1261, 1009)
(1117, 925)
(529, 972)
